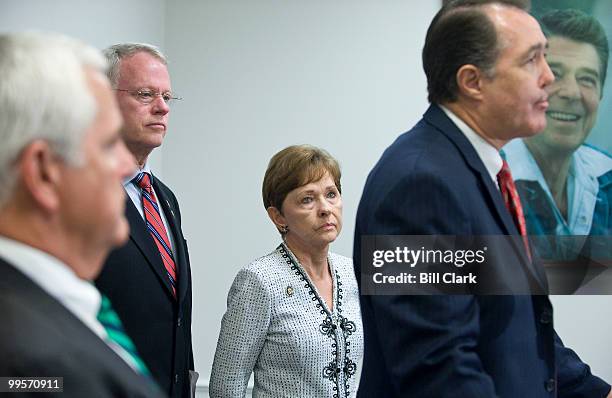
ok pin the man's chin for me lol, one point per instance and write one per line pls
(155, 136)
(154, 142)
(535, 128)
(122, 233)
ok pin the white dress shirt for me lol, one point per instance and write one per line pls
(486, 152)
(58, 280)
(53, 276)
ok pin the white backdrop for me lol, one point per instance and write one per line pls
(257, 76)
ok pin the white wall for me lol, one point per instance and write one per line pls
(257, 76)
(100, 23)
(584, 324)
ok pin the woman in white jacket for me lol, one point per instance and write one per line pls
(293, 316)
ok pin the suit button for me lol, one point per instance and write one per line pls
(546, 317)
(178, 323)
(550, 385)
(176, 378)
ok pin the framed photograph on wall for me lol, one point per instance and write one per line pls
(564, 174)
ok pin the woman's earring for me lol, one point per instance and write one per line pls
(284, 229)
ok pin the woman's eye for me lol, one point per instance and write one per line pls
(306, 200)
(332, 194)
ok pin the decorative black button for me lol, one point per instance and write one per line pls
(176, 378)
(178, 323)
(546, 317)
(550, 385)
(334, 327)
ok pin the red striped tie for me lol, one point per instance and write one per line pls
(513, 203)
(156, 227)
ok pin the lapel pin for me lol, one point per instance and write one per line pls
(290, 291)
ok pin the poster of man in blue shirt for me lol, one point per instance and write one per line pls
(565, 182)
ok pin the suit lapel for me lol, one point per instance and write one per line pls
(179, 248)
(143, 240)
(59, 319)
(436, 116)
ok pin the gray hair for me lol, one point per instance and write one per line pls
(43, 95)
(115, 53)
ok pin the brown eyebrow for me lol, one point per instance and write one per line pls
(313, 191)
(536, 47)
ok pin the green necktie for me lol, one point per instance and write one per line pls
(112, 324)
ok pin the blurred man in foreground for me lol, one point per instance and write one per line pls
(62, 161)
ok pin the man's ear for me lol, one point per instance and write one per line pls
(469, 81)
(41, 173)
(277, 218)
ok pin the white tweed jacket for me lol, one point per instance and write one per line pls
(278, 327)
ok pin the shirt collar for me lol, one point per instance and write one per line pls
(488, 154)
(522, 164)
(57, 279)
(145, 169)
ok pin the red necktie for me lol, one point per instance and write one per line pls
(513, 203)
(156, 227)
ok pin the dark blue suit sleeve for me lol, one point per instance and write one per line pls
(575, 378)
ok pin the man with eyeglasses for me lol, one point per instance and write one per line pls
(61, 211)
(148, 280)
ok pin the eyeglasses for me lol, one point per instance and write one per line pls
(146, 96)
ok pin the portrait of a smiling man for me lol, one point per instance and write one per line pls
(565, 184)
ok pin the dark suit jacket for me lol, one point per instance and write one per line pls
(430, 181)
(135, 281)
(39, 337)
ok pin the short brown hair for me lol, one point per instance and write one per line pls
(578, 26)
(293, 167)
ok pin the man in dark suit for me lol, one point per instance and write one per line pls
(61, 211)
(487, 78)
(148, 279)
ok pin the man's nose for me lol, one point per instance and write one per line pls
(160, 107)
(567, 88)
(547, 77)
